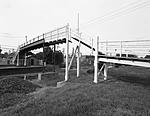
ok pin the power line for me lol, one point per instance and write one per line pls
(12, 36)
(9, 35)
(109, 15)
(7, 46)
(131, 7)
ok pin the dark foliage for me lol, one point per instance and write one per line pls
(5, 55)
(58, 57)
(51, 57)
(13, 90)
(147, 56)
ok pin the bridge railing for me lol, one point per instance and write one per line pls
(40, 37)
(56, 33)
(84, 38)
(136, 48)
(52, 35)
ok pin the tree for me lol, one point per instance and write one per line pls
(39, 55)
(58, 57)
(50, 57)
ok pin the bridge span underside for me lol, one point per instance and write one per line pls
(125, 60)
(41, 43)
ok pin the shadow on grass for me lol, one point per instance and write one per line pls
(132, 75)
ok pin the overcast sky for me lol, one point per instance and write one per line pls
(33, 17)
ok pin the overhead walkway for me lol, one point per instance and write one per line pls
(118, 52)
(108, 54)
(57, 36)
(125, 60)
(121, 52)
(125, 52)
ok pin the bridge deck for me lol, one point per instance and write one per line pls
(125, 60)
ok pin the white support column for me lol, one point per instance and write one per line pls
(39, 76)
(105, 71)
(78, 56)
(67, 51)
(78, 60)
(72, 58)
(18, 59)
(96, 62)
(25, 59)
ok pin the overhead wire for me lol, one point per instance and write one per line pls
(111, 15)
(9, 35)
(7, 46)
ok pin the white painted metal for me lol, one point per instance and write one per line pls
(139, 48)
(105, 71)
(39, 76)
(78, 55)
(101, 70)
(127, 62)
(78, 60)
(96, 62)
(67, 51)
(18, 59)
(72, 58)
(52, 35)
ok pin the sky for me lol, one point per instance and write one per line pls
(20, 18)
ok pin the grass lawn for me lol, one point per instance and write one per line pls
(122, 95)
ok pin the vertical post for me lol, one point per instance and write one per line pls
(106, 48)
(54, 56)
(67, 51)
(96, 62)
(39, 76)
(78, 60)
(43, 52)
(78, 56)
(18, 59)
(105, 71)
(120, 48)
(25, 59)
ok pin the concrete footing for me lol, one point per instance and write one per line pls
(61, 83)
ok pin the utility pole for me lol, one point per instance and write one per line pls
(25, 57)
(78, 56)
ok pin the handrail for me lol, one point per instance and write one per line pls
(56, 32)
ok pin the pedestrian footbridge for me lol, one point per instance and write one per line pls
(117, 52)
